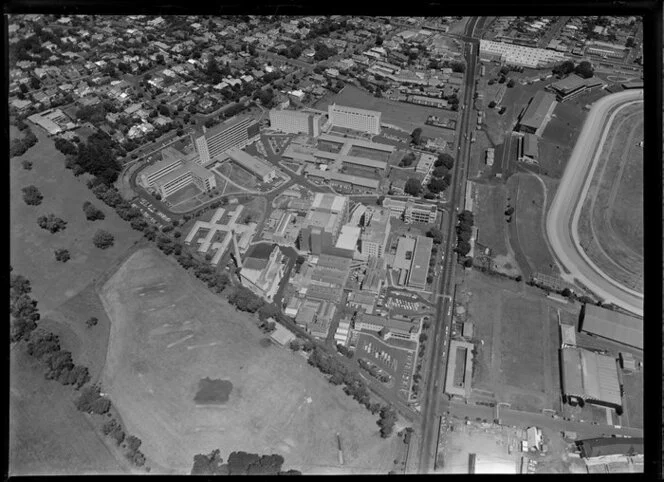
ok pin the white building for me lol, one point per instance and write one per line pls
(519, 55)
(296, 122)
(356, 119)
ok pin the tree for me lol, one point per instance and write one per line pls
(584, 69)
(563, 68)
(386, 422)
(62, 255)
(492, 104)
(407, 160)
(133, 443)
(92, 321)
(438, 184)
(436, 234)
(511, 83)
(413, 187)
(103, 239)
(416, 136)
(440, 171)
(32, 196)
(458, 66)
(92, 213)
(52, 223)
(444, 159)
(468, 262)
(27, 165)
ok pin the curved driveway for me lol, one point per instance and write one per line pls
(562, 220)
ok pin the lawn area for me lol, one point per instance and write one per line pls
(611, 221)
(516, 341)
(406, 116)
(168, 333)
(527, 229)
(31, 248)
(188, 192)
(489, 207)
(238, 175)
(47, 434)
(633, 400)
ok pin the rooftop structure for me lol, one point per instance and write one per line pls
(459, 369)
(376, 232)
(236, 132)
(519, 55)
(296, 122)
(411, 210)
(52, 121)
(404, 256)
(356, 119)
(259, 168)
(612, 325)
(262, 274)
(393, 328)
(567, 336)
(603, 448)
(191, 172)
(538, 113)
(281, 335)
(348, 238)
(323, 222)
(420, 265)
(590, 377)
(342, 179)
(375, 275)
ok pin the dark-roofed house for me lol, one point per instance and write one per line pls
(538, 113)
(608, 449)
(612, 325)
(590, 377)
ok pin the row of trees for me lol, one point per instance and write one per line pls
(239, 463)
(584, 69)
(464, 232)
(22, 307)
(45, 346)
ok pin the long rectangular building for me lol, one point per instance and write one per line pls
(296, 122)
(590, 377)
(237, 132)
(259, 168)
(420, 265)
(356, 119)
(538, 113)
(411, 210)
(519, 55)
(183, 176)
(612, 325)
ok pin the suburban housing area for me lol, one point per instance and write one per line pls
(276, 244)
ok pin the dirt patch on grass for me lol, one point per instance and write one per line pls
(162, 341)
(213, 392)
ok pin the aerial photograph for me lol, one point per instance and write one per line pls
(325, 244)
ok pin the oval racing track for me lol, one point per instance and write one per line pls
(563, 217)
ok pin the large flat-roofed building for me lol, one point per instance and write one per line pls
(375, 233)
(538, 113)
(393, 328)
(261, 169)
(420, 264)
(347, 241)
(519, 55)
(459, 369)
(296, 122)
(175, 171)
(412, 211)
(590, 377)
(612, 325)
(183, 176)
(262, 270)
(568, 88)
(236, 132)
(323, 222)
(357, 119)
(605, 450)
(52, 121)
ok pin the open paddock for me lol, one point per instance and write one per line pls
(153, 385)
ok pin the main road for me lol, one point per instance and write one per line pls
(441, 328)
(563, 217)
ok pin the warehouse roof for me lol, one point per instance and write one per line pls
(537, 109)
(598, 447)
(612, 325)
(591, 376)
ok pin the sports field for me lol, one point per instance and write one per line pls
(611, 221)
(31, 248)
(516, 337)
(168, 333)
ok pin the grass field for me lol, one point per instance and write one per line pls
(31, 248)
(406, 116)
(529, 198)
(168, 333)
(47, 434)
(611, 221)
(516, 339)
(489, 207)
(184, 194)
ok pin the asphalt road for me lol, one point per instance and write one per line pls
(436, 363)
(563, 217)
